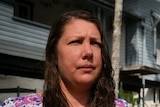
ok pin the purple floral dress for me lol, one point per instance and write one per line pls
(35, 100)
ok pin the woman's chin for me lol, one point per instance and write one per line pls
(87, 81)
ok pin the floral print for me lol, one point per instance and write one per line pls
(32, 100)
(35, 100)
(121, 103)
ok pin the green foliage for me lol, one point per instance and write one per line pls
(128, 96)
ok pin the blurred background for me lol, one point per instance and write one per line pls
(24, 29)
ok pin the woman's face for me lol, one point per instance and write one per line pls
(79, 53)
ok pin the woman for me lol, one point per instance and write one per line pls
(78, 67)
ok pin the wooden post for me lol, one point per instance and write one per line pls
(116, 41)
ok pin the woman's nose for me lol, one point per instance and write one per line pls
(87, 52)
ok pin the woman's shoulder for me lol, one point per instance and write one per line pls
(121, 103)
(31, 100)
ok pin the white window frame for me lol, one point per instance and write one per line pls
(155, 22)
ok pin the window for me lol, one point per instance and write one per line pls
(158, 44)
(23, 9)
(36, 12)
(156, 29)
(44, 12)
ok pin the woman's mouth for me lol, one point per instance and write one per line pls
(87, 68)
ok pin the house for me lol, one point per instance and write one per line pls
(25, 25)
(142, 51)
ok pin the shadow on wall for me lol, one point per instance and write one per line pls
(131, 53)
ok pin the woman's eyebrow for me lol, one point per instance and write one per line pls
(96, 38)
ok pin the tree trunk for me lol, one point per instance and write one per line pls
(116, 42)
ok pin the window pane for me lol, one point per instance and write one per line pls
(46, 11)
(158, 36)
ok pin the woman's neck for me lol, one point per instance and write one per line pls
(76, 97)
(77, 100)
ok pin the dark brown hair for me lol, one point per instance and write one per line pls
(102, 91)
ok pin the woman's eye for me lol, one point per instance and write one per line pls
(75, 42)
(96, 43)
